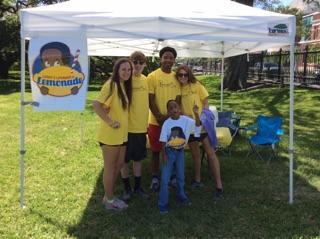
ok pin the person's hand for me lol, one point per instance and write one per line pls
(161, 118)
(195, 109)
(114, 124)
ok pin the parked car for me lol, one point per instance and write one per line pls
(197, 69)
(270, 69)
(267, 66)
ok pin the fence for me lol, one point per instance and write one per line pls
(275, 67)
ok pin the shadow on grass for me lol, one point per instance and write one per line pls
(255, 206)
(93, 221)
(96, 222)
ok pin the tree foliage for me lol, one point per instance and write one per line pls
(237, 67)
(10, 31)
(317, 2)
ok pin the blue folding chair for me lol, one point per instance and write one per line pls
(268, 132)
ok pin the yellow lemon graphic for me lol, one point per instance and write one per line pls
(176, 142)
(59, 81)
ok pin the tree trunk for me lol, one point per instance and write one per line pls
(236, 73)
(4, 69)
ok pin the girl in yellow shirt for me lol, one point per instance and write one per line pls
(112, 106)
(194, 93)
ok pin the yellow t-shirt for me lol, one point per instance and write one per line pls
(165, 87)
(191, 94)
(139, 108)
(107, 134)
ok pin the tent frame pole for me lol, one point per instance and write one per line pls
(291, 129)
(22, 123)
(222, 76)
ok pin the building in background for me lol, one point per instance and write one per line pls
(311, 21)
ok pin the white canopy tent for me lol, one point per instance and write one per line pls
(205, 28)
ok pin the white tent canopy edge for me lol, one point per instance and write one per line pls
(195, 30)
(211, 28)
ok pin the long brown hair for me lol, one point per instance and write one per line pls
(115, 79)
(191, 77)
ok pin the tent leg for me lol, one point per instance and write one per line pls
(291, 152)
(22, 124)
(222, 76)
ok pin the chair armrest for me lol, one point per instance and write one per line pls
(279, 132)
(250, 127)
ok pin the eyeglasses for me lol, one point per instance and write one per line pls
(138, 62)
(183, 75)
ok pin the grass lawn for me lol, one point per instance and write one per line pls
(63, 177)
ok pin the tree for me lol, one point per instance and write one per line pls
(293, 11)
(10, 31)
(236, 68)
(317, 2)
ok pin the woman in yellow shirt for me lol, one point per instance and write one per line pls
(194, 93)
(112, 106)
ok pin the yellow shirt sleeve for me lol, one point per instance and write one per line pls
(104, 96)
(151, 83)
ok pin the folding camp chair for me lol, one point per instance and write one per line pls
(227, 128)
(268, 132)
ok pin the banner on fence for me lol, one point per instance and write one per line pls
(58, 69)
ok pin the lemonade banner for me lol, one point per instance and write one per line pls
(59, 73)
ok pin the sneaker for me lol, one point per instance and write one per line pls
(126, 196)
(155, 185)
(121, 202)
(142, 193)
(195, 184)
(218, 194)
(116, 205)
(163, 210)
(185, 201)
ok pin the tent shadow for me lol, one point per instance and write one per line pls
(96, 222)
(92, 221)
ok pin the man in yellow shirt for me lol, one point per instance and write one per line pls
(163, 87)
(137, 129)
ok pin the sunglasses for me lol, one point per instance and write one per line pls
(138, 62)
(183, 75)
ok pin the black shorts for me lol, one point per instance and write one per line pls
(198, 139)
(136, 147)
(124, 144)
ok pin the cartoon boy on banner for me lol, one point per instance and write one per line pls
(56, 71)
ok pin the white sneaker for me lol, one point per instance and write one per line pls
(116, 205)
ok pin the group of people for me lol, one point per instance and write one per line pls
(168, 106)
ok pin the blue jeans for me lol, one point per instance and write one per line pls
(173, 157)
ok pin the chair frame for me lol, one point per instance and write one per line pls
(274, 152)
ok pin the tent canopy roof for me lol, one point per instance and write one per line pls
(206, 28)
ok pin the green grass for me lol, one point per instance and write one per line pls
(63, 184)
